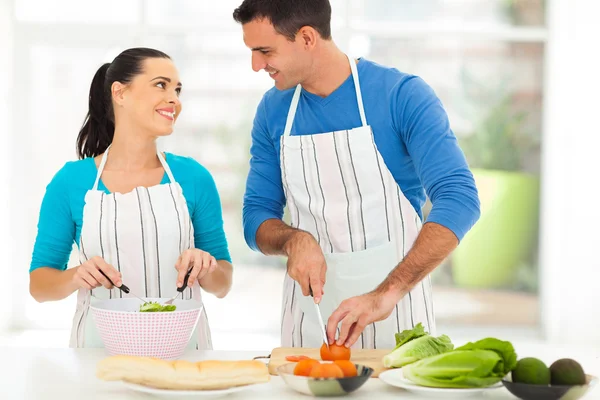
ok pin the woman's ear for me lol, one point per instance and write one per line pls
(117, 90)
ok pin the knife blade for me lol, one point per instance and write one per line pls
(321, 324)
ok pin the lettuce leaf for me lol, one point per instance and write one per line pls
(410, 334)
(478, 364)
(417, 349)
(504, 349)
(152, 306)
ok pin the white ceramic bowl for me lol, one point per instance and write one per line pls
(125, 330)
(324, 387)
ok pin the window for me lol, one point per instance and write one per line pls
(80, 12)
(459, 47)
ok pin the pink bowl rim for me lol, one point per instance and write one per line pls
(195, 309)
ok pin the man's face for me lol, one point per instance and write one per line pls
(286, 62)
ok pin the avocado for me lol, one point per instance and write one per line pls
(567, 372)
(532, 371)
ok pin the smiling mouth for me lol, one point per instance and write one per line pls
(167, 114)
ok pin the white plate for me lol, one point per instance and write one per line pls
(395, 377)
(184, 393)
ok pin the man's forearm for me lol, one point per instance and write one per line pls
(434, 243)
(273, 236)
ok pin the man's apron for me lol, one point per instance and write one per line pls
(339, 189)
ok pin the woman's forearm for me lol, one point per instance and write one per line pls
(219, 281)
(50, 284)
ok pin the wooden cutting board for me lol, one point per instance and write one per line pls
(367, 357)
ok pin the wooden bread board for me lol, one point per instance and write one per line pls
(367, 357)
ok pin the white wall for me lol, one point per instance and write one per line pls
(570, 234)
(6, 49)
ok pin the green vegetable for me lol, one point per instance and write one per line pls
(410, 334)
(413, 345)
(478, 364)
(532, 371)
(567, 372)
(456, 369)
(504, 349)
(152, 306)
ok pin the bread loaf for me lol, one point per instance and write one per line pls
(181, 374)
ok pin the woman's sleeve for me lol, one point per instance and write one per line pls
(207, 218)
(55, 228)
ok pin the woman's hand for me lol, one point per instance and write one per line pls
(88, 274)
(201, 262)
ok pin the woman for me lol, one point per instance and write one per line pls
(142, 217)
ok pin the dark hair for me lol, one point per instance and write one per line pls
(288, 16)
(98, 128)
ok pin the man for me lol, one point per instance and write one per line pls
(353, 148)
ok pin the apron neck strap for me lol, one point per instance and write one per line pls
(101, 168)
(165, 166)
(361, 108)
(105, 156)
(292, 111)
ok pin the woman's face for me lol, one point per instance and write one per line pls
(151, 99)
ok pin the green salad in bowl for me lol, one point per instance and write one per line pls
(149, 327)
(152, 306)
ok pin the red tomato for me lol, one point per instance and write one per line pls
(334, 352)
(304, 367)
(296, 358)
(348, 367)
(326, 371)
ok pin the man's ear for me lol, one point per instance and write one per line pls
(308, 37)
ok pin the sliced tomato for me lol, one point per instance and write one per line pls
(296, 358)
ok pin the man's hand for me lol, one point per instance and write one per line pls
(306, 263)
(356, 313)
(433, 244)
(305, 260)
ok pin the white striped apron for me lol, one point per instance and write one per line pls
(339, 189)
(141, 233)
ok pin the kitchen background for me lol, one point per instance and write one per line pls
(518, 79)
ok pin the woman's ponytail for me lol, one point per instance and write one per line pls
(98, 128)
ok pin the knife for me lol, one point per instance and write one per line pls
(323, 331)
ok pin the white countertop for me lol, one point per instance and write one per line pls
(69, 374)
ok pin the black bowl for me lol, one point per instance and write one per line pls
(526, 391)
